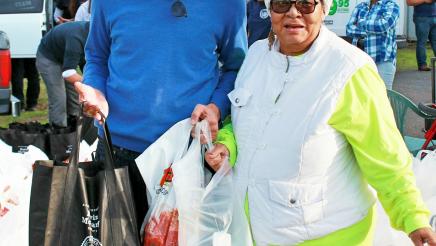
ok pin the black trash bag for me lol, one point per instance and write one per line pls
(89, 203)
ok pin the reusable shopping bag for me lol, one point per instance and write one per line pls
(55, 142)
(87, 203)
(21, 135)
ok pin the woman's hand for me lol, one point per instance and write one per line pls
(94, 101)
(423, 235)
(216, 157)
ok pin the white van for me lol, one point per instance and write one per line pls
(25, 22)
(22, 25)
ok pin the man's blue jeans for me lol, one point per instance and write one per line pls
(425, 28)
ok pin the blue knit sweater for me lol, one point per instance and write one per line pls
(154, 68)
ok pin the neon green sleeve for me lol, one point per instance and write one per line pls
(364, 115)
(226, 137)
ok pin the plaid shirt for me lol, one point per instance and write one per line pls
(376, 26)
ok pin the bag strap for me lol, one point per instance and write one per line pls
(72, 173)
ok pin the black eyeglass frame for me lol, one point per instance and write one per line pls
(295, 2)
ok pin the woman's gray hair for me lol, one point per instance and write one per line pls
(326, 5)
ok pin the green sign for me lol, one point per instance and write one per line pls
(333, 8)
(340, 6)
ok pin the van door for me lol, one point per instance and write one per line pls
(25, 22)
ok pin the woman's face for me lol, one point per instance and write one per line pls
(295, 31)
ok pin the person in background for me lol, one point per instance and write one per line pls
(59, 54)
(65, 10)
(258, 22)
(25, 68)
(374, 22)
(150, 62)
(83, 12)
(311, 136)
(424, 17)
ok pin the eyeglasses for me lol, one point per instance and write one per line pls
(303, 6)
(178, 9)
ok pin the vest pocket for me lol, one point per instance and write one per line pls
(296, 204)
(239, 97)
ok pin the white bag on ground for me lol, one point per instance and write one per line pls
(15, 186)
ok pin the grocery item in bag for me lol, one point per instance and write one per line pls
(162, 224)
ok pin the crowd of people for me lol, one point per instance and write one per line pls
(306, 138)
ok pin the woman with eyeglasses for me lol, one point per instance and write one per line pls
(313, 126)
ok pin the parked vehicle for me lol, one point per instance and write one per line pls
(5, 73)
(25, 22)
(22, 25)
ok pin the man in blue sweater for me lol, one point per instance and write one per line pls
(149, 63)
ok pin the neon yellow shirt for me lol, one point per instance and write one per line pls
(364, 115)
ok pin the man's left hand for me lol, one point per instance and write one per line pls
(423, 235)
(209, 112)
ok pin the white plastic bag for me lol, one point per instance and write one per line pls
(424, 169)
(161, 225)
(163, 152)
(205, 212)
(15, 186)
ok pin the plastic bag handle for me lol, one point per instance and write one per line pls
(203, 127)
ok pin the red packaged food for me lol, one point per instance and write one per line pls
(163, 224)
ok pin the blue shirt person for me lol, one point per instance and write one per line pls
(149, 63)
(258, 21)
(375, 21)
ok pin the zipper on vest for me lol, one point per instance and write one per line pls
(286, 79)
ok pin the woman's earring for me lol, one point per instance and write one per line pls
(271, 38)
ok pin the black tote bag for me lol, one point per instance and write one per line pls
(21, 135)
(61, 142)
(88, 203)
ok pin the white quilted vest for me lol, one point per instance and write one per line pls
(300, 174)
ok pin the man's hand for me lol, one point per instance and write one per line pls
(209, 112)
(423, 235)
(94, 101)
(216, 157)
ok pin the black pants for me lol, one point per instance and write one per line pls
(25, 68)
(124, 157)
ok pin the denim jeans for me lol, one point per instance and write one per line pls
(425, 28)
(125, 157)
(387, 72)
